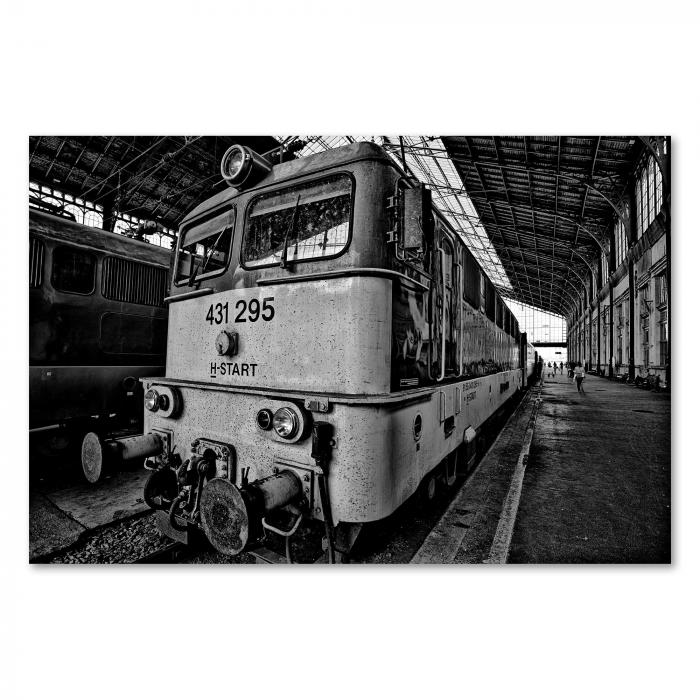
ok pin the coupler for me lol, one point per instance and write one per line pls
(98, 456)
(232, 517)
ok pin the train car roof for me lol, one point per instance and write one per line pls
(282, 172)
(58, 228)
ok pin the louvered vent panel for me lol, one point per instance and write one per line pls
(133, 282)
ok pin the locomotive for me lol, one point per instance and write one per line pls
(332, 345)
(97, 322)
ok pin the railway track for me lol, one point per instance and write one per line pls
(170, 554)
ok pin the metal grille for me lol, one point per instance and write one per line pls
(36, 262)
(133, 282)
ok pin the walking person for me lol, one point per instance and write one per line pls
(579, 374)
(571, 371)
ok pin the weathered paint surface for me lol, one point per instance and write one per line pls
(326, 335)
(377, 463)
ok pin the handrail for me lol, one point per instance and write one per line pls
(443, 256)
(460, 301)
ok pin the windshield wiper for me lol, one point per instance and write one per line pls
(213, 248)
(195, 270)
(290, 228)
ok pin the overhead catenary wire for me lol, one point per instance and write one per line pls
(145, 173)
(126, 165)
(180, 192)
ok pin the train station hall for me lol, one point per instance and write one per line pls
(397, 408)
(350, 349)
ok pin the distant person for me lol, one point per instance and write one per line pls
(579, 374)
(561, 367)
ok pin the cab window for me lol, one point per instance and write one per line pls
(306, 222)
(204, 248)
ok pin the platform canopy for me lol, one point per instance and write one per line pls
(547, 204)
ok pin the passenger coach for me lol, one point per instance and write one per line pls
(332, 343)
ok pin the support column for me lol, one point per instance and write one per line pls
(598, 342)
(611, 322)
(632, 236)
(590, 327)
(109, 215)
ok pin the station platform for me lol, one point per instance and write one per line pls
(60, 516)
(593, 487)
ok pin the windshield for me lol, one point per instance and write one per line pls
(203, 250)
(299, 223)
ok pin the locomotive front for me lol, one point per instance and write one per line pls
(268, 324)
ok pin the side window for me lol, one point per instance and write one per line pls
(489, 298)
(449, 255)
(472, 279)
(73, 270)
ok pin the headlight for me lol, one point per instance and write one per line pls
(166, 401)
(243, 166)
(151, 399)
(232, 163)
(285, 423)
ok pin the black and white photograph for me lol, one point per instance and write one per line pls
(350, 349)
(338, 350)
